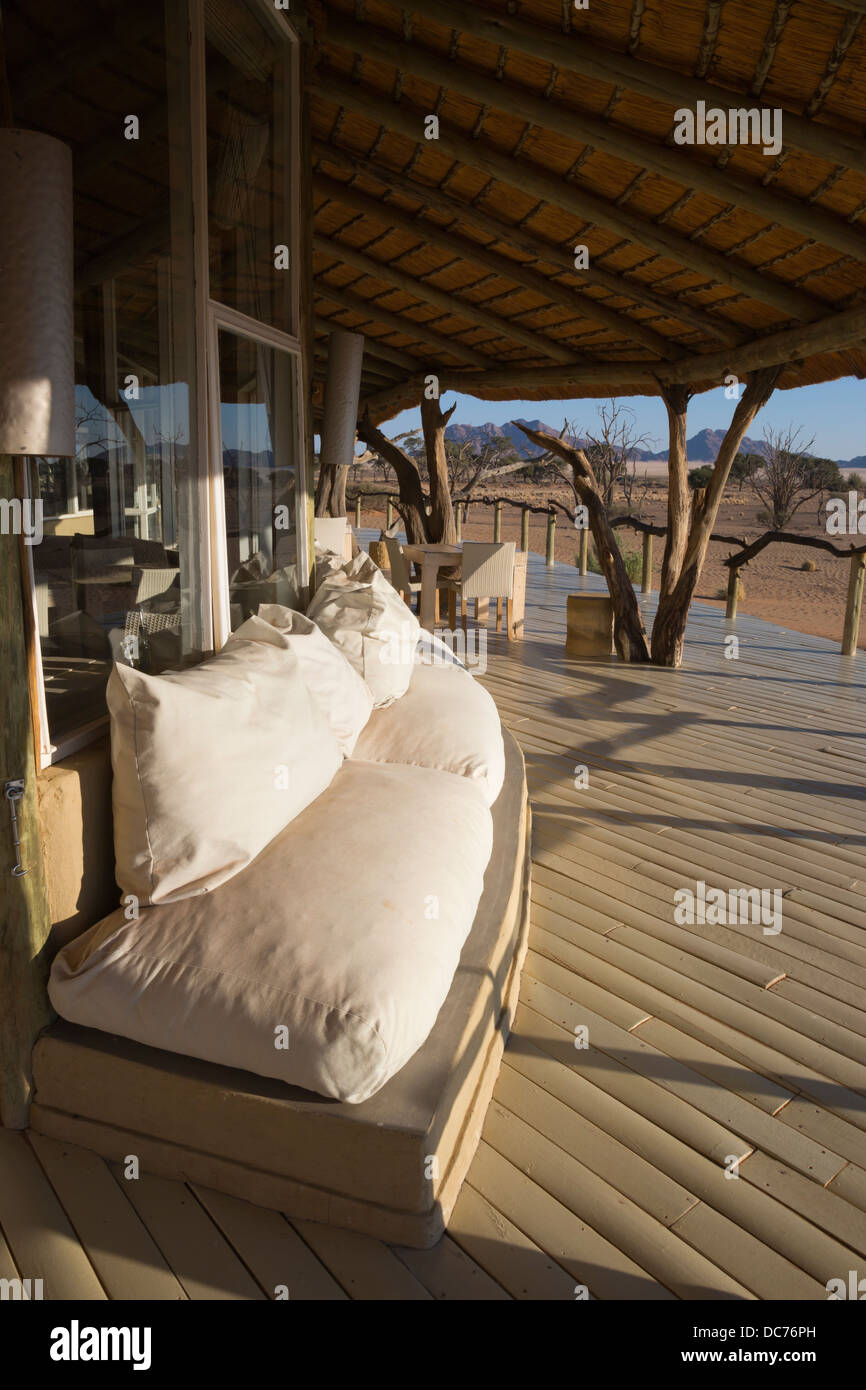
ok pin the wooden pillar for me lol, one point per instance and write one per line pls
(647, 578)
(733, 594)
(389, 513)
(25, 916)
(497, 520)
(340, 418)
(550, 548)
(584, 550)
(524, 529)
(854, 605)
(459, 524)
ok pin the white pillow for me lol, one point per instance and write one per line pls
(209, 765)
(357, 608)
(344, 698)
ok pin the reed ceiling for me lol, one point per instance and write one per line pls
(456, 255)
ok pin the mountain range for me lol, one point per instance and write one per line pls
(703, 447)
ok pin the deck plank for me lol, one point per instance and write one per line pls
(126, 1259)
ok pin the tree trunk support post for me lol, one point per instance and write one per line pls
(584, 550)
(854, 605)
(342, 392)
(524, 529)
(550, 548)
(647, 577)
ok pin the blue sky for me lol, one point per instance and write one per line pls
(834, 413)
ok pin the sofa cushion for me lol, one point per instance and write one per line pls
(346, 932)
(344, 698)
(210, 764)
(366, 618)
(446, 720)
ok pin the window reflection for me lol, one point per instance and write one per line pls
(259, 427)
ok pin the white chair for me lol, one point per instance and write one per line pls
(401, 579)
(487, 572)
(332, 533)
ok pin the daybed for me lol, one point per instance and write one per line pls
(309, 1017)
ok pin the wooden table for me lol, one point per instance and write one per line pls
(432, 559)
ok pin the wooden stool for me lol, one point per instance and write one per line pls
(589, 625)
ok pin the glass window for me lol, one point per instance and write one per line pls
(119, 574)
(248, 75)
(259, 425)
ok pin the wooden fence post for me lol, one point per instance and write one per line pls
(497, 520)
(551, 538)
(459, 521)
(358, 510)
(647, 579)
(524, 529)
(584, 550)
(389, 514)
(854, 605)
(733, 593)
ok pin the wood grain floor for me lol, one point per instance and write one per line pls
(710, 1140)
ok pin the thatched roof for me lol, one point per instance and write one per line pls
(456, 255)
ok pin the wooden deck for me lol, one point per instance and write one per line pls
(710, 1141)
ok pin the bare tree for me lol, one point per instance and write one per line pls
(786, 480)
(610, 451)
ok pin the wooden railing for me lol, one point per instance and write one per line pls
(747, 550)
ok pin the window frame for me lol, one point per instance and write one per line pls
(209, 317)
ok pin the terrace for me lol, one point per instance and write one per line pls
(604, 1166)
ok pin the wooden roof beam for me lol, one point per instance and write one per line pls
(577, 53)
(386, 214)
(447, 300)
(513, 235)
(675, 162)
(551, 188)
(370, 312)
(830, 334)
(476, 215)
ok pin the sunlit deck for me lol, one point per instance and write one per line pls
(610, 1166)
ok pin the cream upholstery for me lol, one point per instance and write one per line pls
(323, 964)
(446, 721)
(343, 697)
(400, 576)
(197, 756)
(365, 617)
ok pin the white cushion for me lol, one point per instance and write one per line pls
(366, 618)
(346, 931)
(344, 698)
(209, 765)
(446, 720)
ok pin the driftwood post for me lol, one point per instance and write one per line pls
(433, 423)
(412, 506)
(733, 593)
(647, 576)
(629, 634)
(678, 587)
(584, 550)
(550, 547)
(854, 605)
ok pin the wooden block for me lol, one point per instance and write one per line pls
(589, 625)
